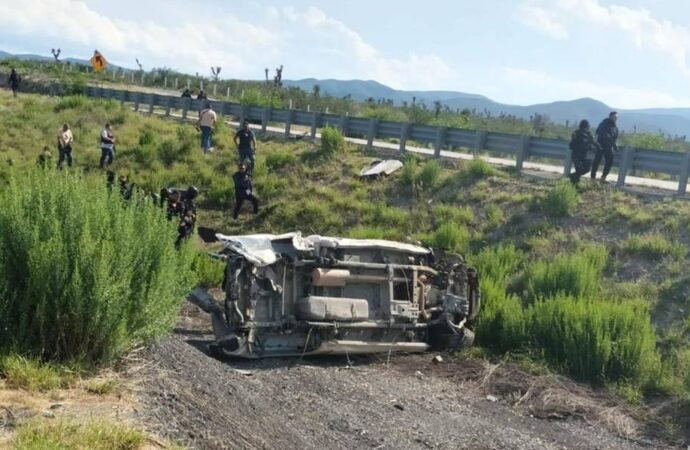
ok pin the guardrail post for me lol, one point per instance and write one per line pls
(373, 129)
(404, 132)
(168, 105)
(683, 181)
(265, 118)
(243, 113)
(440, 139)
(479, 140)
(314, 123)
(625, 166)
(185, 108)
(288, 122)
(523, 153)
(136, 101)
(152, 104)
(344, 122)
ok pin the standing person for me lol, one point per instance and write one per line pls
(44, 157)
(107, 146)
(13, 81)
(207, 119)
(186, 94)
(65, 140)
(607, 135)
(581, 142)
(243, 190)
(246, 144)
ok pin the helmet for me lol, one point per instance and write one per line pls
(192, 192)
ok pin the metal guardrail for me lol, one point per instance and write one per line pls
(521, 148)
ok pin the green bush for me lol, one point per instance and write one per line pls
(596, 340)
(494, 216)
(501, 324)
(83, 274)
(77, 102)
(478, 168)
(209, 272)
(561, 200)
(147, 137)
(277, 159)
(62, 434)
(332, 142)
(451, 237)
(653, 245)
(429, 175)
(577, 274)
(448, 213)
(30, 374)
(499, 263)
(409, 173)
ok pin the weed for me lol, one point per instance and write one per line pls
(332, 142)
(451, 237)
(30, 374)
(653, 245)
(62, 434)
(561, 199)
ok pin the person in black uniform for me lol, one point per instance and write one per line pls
(607, 135)
(13, 81)
(581, 143)
(243, 190)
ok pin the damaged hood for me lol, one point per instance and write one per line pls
(265, 249)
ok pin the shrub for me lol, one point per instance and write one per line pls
(209, 271)
(494, 216)
(653, 245)
(448, 213)
(429, 175)
(576, 274)
(596, 340)
(409, 173)
(478, 168)
(501, 324)
(332, 142)
(83, 274)
(147, 137)
(61, 434)
(561, 200)
(71, 102)
(498, 263)
(278, 159)
(451, 237)
(29, 374)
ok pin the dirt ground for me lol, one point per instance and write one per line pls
(405, 401)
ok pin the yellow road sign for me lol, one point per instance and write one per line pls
(98, 61)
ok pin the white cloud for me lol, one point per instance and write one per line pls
(307, 41)
(553, 87)
(540, 19)
(638, 25)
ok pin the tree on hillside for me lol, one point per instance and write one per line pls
(56, 54)
(437, 108)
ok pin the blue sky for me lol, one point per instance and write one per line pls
(628, 53)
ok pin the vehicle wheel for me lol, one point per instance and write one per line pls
(451, 341)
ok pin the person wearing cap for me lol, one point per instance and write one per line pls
(107, 146)
(65, 140)
(581, 143)
(607, 135)
(207, 120)
(246, 144)
(243, 190)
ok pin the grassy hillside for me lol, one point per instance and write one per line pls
(593, 282)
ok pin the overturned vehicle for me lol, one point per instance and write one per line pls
(294, 295)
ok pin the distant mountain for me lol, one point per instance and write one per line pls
(674, 121)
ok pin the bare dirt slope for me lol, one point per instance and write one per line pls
(402, 402)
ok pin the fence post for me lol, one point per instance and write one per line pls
(136, 101)
(344, 122)
(479, 141)
(373, 129)
(176, 83)
(227, 92)
(404, 132)
(265, 116)
(201, 85)
(142, 78)
(625, 166)
(152, 104)
(683, 181)
(214, 90)
(523, 153)
(440, 139)
(243, 113)
(168, 105)
(288, 122)
(188, 83)
(314, 123)
(165, 82)
(185, 108)
(132, 77)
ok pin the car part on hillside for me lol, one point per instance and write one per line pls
(291, 295)
(380, 168)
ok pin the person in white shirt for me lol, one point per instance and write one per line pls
(65, 140)
(107, 146)
(207, 119)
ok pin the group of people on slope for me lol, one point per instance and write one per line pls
(245, 141)
(603, 146)
(65, 140)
